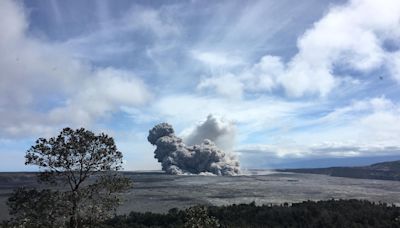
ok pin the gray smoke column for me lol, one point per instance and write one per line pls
(178, 158)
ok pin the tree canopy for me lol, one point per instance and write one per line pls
(83, 167)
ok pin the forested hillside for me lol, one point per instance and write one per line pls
(380, 171)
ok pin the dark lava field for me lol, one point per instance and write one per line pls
(158, 192)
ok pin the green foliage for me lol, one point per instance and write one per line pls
(198, 217)
(33, 208)
(99, 200)
(331, 213)
(83, 163)
(74, 155)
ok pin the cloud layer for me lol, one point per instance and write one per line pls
(307, 80)
(43, 86)
(347, 37)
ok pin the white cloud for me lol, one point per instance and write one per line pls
(278, 151)
(43, 88)
(109, 40)
(349, 36)
(227, 85)
(393, 63)
(250, 116)
(381, 126)
(216, 59)
(264, 75)
(369, 127)
(13, 22)
(105, 92)
(149, 19)
(367, 122)
(321, 150)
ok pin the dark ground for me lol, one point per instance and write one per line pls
(158, 192)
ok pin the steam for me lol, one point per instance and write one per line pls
(177, 158)
(218, 130)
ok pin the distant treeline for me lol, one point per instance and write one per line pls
(379, 171)
(331, 213)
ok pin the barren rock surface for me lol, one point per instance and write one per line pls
(158, 192)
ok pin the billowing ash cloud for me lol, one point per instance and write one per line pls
(178, 158)
(221, 131)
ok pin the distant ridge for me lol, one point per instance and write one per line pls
(380, 171)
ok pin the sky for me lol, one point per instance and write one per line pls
(278, 83)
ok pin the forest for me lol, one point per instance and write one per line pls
(330, 213)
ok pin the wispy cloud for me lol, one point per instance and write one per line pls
(330, 44)
(44, 87)
(311, 79)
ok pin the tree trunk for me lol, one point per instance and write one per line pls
(74, 220)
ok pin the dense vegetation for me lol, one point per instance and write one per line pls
(331, 213)
(379, 171)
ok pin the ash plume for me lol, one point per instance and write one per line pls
(219, 130)
(177, 158)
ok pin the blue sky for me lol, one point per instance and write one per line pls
(284, 82)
